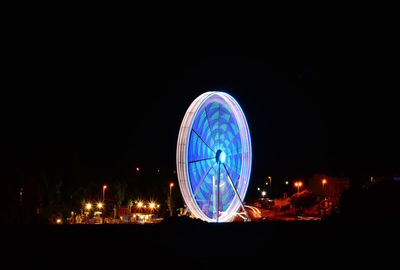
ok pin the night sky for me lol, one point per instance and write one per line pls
(99, 102)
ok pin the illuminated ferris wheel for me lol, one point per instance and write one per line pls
(214, 157)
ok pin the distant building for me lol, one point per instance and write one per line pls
(332, 189)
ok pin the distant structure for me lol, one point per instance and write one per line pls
(331, 189)
(213, 158)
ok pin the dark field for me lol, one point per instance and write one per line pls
(198, 244)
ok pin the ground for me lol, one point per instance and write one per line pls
(179, 243)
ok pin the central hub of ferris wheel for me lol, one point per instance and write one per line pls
(220, 157)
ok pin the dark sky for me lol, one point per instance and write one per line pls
(87, 98)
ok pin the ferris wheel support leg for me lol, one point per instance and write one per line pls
(237, 194)
(219, 173)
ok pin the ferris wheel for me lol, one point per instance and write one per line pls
(214, 158)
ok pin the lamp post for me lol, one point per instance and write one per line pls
(324, 181)
(88, 207)
(298, 184)
(263, 193)
(170, 200)
(104, 191)
(270, 185)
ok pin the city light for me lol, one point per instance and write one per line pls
(286, 182)
(139, 204)
(152, 205)
(58, 220)
(298, 184)
(263, 193)
(88, 206)
(170, 199)
(324, 181)
(137, 169)
(99, 205)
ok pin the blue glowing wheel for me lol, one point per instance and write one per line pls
(213, 157)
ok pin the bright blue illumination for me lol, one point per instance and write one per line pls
(214, 157)
(213, 129)
(222, 157)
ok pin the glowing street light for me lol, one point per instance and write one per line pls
(324, 181)
(152, 205)
(88, 206)
(286, 182)
(139, 204)
(104, 190)
(58, 221)
(298, 184)
(99, 205)
(270, 184)
(171, 185)
(263, 193)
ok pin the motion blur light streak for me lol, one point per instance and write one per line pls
(214, 157)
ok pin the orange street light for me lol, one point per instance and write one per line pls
(139, 204)
(88, 206)
(104, 190)
(324, 181)
(270, 184)
(298, 184)
(152, 205)
(170, 200)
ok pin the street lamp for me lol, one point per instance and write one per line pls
(298, 184)
(263, 193)
(104, 192)
(324, 181)
(88, 206)
(270, 185)
(170, 201)
(139, 205)
(152, 205)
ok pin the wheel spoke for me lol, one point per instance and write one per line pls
(236, 192)
(231, 170)
(202, 140)
(198, 160)
(201, 182)
(208, 120)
